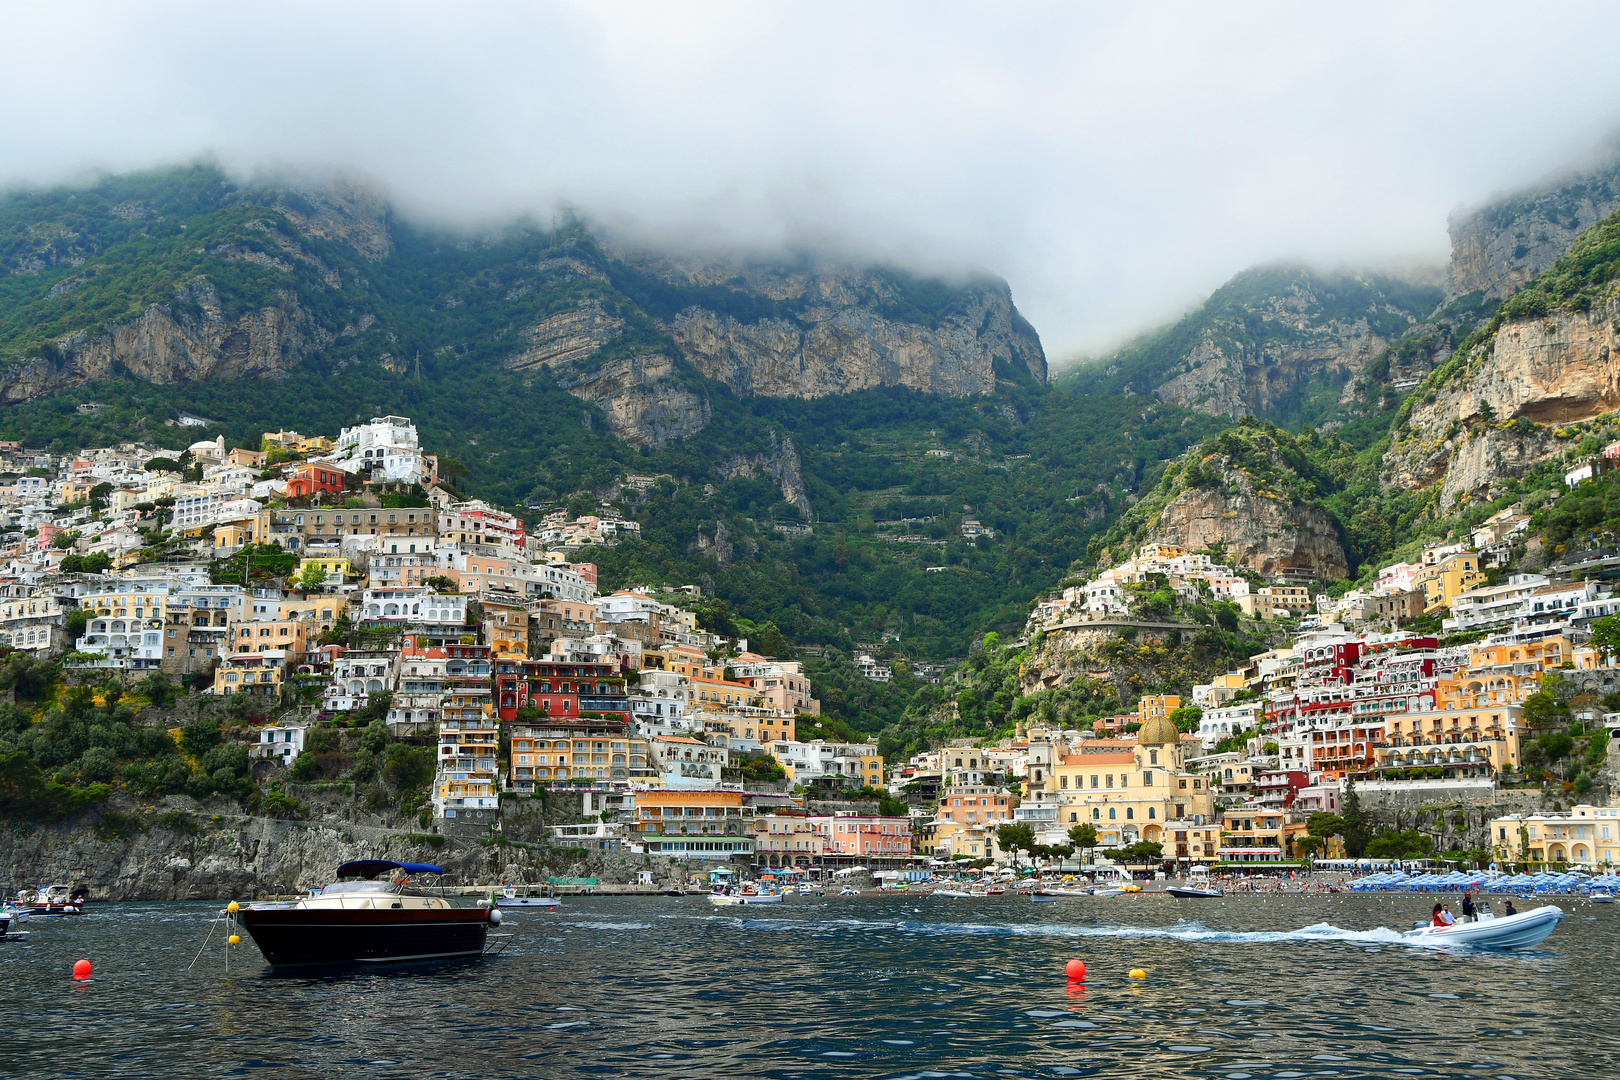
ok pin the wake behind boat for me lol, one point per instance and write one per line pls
(1524, 930)
(368, 919)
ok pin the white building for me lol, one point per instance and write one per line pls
(282, 741)
(387, 445)
(685, 762)
(408, 605)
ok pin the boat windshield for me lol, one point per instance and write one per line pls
(354, 888)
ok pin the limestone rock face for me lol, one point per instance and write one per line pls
(566, 337)
(642, 403)
(185, 342)
(1232, 382)
(836, 350)
(1500, 246)
(1266, 535)
(828, 328)
(1559, 369)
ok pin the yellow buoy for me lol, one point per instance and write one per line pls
(1138, 973)
(233, 907)
(235, 939)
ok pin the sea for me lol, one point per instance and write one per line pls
(1245, 987)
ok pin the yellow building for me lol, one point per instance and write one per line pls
(1501, 674)
(77, 491)
(1475, 742)
(281, 440)
(250, 673)
(1584, 835)
(232, 536)
(315, 444)
(1156, 705)
(1447, 578)
(1130, 789)
(330, 566)
(283, 635)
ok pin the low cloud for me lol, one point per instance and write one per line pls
(1114, 165)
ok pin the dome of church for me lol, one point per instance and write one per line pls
(1158, 731)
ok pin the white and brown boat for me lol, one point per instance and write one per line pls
(371, 914)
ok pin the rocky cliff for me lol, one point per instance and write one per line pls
(189, 340)
(1257, 530)
(1500, 246)
(1276, 341)
(183, 850)
(1488, 421)
(184, 276)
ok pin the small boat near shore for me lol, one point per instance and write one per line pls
(744, 899)
(1600, 896)
(511, 898)
(1523, 930)
(1193, 892)
(367, 916)
(50, 901)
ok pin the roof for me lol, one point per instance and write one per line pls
(1098, 759)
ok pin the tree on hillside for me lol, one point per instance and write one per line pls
(1357, 822)
(313, 577)
(1187, 718)
(1083, 836)
(1606, 635)
(1016, 837)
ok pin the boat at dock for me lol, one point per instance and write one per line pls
(1523, 930)
(369, 915)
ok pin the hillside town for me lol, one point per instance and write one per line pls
(334, 581)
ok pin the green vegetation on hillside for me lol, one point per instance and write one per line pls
(1254, 318)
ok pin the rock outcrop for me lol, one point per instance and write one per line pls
(1269, 535)
(187, 341)
(837, 350)
(1500, 246)
(1269, 340)
(830, 328)
(567, 337)
(781, 465)
(641, 400)
(1487, 422)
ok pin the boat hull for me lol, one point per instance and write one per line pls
(1525, 930)
(530, 901)
(742, 901)
(291, 937)
(1194, 894)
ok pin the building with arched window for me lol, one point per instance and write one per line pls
(1131, 789)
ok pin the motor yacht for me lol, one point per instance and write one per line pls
(370, 915)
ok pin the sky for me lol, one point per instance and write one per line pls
(1115, 163)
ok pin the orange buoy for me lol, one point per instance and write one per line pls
(1075, 970)
(81, 969)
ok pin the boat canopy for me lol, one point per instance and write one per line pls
(370, 868)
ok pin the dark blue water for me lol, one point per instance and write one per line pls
(1245, 987)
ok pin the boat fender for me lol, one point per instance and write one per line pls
(495, 916)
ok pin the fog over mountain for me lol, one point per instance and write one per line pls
(1113, 166)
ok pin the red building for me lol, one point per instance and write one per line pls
(314, 477)
(559, 688)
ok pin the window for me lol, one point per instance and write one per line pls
(1110, 813)
(1095, 814)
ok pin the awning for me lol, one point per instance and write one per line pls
(370, 868)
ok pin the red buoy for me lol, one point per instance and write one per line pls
(81, 969)
(1075, 970)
